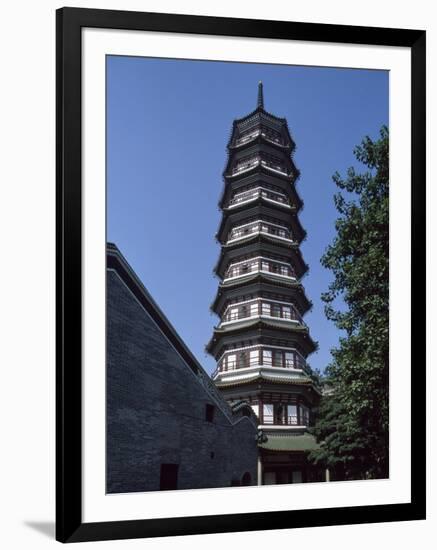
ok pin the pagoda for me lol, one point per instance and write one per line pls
(262, 342)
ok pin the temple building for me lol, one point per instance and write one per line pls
(168, 427)
(262, 342)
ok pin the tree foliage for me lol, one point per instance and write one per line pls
(353, 417)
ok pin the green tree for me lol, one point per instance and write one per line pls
(352, 420)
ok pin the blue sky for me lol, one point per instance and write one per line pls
(168, 123)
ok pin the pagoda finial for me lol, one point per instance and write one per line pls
(260, 102)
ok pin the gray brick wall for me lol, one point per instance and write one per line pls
(156, 409)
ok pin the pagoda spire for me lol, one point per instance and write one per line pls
(260, 102)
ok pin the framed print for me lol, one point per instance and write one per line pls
(240, 274)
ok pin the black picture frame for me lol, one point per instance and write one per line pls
(69, 525)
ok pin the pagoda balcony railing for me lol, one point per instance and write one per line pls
(276, 167)
(274, 139)
(235, 318)
(248, 165)
(254, 194)
(253, 135)
(291, 420)
(245, 166)
(259, 266)
(258, 362)
(248, 137)
(293, 317)
(260, 227)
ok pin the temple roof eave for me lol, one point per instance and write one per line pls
(290, 443)
(259, 325)
(259, 209)
(238, 249)
(254, 177)
(294, 252)
(307, 381)
(262, 115)
(261, 279)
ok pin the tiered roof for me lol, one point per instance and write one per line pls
(260, 136)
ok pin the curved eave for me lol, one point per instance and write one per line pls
(290, 443)
(294, 196)
(259, 236)
(255, 277)
(286, 248)
(299, 299)
(286, 149)
(260, 200)
(261, 110)
(281, 122)
(273, 380)
(259, 325)
(259, 209)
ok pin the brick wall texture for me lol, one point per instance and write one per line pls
(156, 409)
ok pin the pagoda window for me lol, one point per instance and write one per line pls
(242, 268)
(276, 310)
(266, 308)
(286, 312)
(254, 358)
(253, 193)
(304, 415)
(289, 359)
(242, 360)
(231, 361)
(267, 413)
(267, 357)
(233, 314)
(292, 415)
(254, 309)
(279, 416)
(277, 358)
(300, 362)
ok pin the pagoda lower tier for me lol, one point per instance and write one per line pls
(283, 401)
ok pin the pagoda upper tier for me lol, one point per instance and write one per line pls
(261, 125)
(260, 299)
